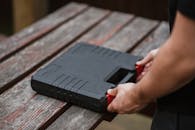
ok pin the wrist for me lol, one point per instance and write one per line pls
(141, 95)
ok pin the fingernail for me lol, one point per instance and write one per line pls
(109, 91)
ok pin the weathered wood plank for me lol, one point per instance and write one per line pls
(19, 65)
(132, 34)
(153, 41)
(18, 101)
(107, 28)
(127, 39)
(22, 102)
(85, 120)
(38, 29)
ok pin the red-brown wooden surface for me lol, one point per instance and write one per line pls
(39, 29)
(22, 108)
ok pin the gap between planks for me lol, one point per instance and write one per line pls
(87, 117)
(28, 90)
(27, 60)
(39, 29)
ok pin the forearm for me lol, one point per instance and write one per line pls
(168, 73)
(174, 65)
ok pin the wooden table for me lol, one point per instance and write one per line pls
(23, 53)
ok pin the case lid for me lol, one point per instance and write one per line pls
(88, 70)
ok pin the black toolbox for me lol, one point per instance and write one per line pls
(83, 74)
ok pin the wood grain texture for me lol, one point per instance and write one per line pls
(107, 29)
(95, 118)
(38, 29)
(25, 113)
(153, 41)
(16, 104)
(132, 34)
(19, 65)
(85, 120)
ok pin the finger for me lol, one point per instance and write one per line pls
(144, 61)
(154, 52)
(149, 64)
(140, 76)
(146, 69)
(110, 108)
(112, 92)
(122, 112)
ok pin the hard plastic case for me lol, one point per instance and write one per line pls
(83, 74)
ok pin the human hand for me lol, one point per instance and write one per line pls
(147, 62)
(126, 99)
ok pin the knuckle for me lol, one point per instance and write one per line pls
(120, 85)
(110, 108)
(114, 105)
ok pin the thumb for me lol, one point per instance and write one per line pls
(112, 92)
(146, 60)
